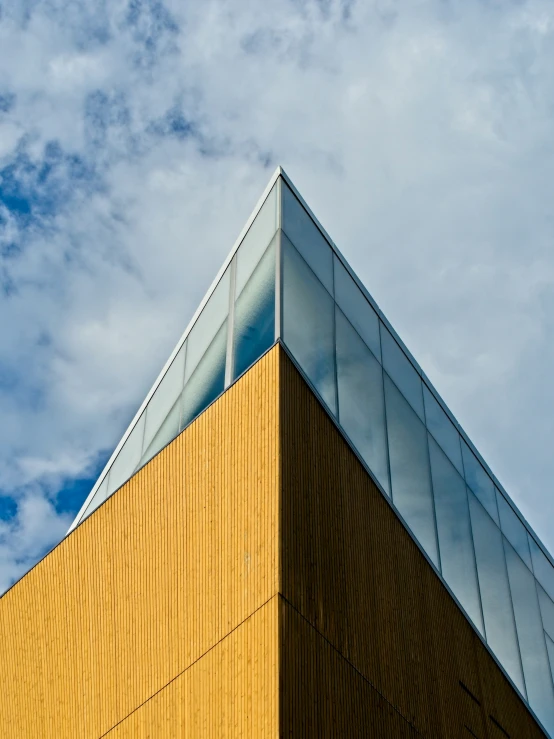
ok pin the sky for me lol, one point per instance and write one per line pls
(137, 136)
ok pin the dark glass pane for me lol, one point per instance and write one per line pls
(479, 482)
(254, 244)
(550, 648)
(544, 571)
(409, 466)
(547, 611)
(355, 307)
(255, 314)
(128, 458)
(307, 238)
(361, 401)
(207, 380)
(208, 325)
(513, 529)
(165, 433)
(454, 528)
(495, 591)
(162, 420)
(308, 323)
(401, 370)
(442, 429)
(536, 668)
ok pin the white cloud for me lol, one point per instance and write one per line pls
(35, 531)
(420, 133)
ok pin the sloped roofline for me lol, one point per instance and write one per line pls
(280, 172)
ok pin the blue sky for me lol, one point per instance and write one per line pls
(135, 137)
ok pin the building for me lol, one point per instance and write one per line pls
(293, 538)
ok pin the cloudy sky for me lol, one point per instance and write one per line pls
(137, 135)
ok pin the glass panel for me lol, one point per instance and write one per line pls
(495, 591)
(513, 529)
(442, 429)
(547, 610)
(128, 458)
(208, 325)
(255, 242)
(207, 380)
(401, 370)
(356, 308)
(161, 403)
(536, 668)
(409, 467)
(168, 430)
(361, 401)
(480, 483)
(550, 648)
(308, 323)
(542, 567)
(454, 528)
(255, 314)
(99, 497)
(307, 238)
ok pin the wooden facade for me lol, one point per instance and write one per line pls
(163, 572)
(351, 571)
(250, 581)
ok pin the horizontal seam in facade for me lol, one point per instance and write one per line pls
(348, 662)
(180, 674)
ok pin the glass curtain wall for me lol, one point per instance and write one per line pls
(414, 449)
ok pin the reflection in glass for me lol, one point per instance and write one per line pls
(361, 402)
(207, 380)
(307, 238)
(480, 483)
(128, 458)
(356, 308)
(308, 318)
(162, 411)
(442, 429)
(167, 431)
(255, 242)
(550, 649)
(409, 468)
(544, 572)
(547, 611)
(401, 370)
(513, 529)
(495, 591)
(208, 324)
(536, 668)
(254, 330)
(454, 529)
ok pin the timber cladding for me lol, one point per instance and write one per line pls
(351, 571)
(158, 576)
(250, 581)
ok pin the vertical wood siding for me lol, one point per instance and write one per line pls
(156, 577)
(250, 581)
(322, 695)
(231, 691)
(352, 572)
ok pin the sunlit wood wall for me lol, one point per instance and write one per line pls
(172, 566)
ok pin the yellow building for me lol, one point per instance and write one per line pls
(287, 541)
